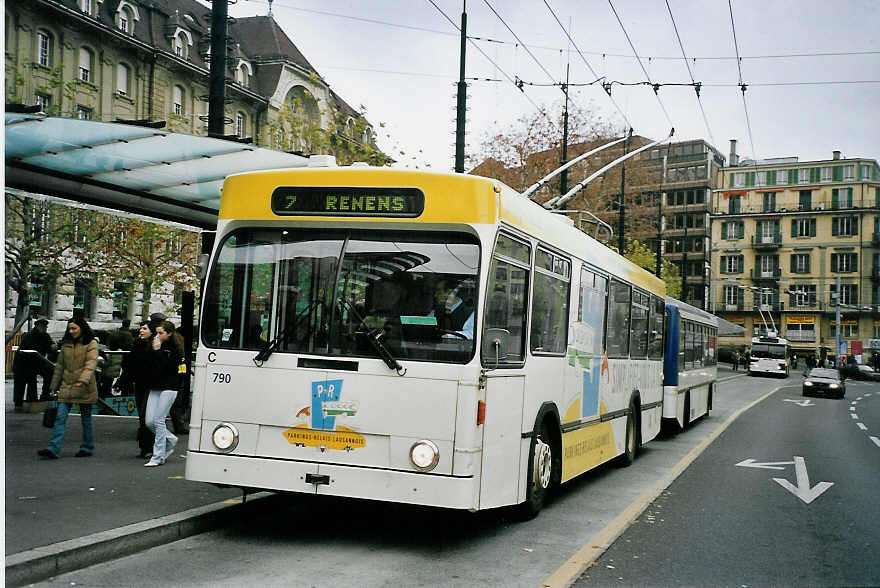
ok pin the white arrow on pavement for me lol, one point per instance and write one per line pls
(769, 465)
(804, 402)
(803, 490)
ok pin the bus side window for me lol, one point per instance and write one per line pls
(549, 329)
(655, 328)
(505, 315)
(638, 343)
(617, 329)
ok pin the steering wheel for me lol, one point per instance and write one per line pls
(454, 334)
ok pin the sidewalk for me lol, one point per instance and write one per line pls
(69, 499)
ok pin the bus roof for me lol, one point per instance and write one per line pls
(449, 198)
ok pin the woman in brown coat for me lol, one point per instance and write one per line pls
(74, 380)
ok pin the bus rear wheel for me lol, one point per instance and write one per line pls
(540, 474)
(631, 442)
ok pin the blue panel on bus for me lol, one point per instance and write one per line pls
(324, 391)
(670, 353)
(590, 402)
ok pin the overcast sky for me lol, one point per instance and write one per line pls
(400, 59)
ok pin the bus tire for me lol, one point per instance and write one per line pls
(709, 400)
(540, 476)
(631, 441)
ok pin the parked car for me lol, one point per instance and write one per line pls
(860, 372)
(824, 382)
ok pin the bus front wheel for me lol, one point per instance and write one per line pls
(631, 442)
(540, 474)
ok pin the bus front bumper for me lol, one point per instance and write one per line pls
(333, 480)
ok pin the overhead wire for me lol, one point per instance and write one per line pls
(498, 67)
(647, 77)
(587, 63)
(742, 86)
(515, 36)
(691, 74)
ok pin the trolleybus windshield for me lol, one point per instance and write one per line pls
(326, 292)
(768, 350)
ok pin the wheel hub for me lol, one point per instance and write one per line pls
(543, 463)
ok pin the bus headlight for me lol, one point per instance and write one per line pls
(424, 455)
(225, 437)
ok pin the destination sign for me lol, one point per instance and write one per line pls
(347, 201)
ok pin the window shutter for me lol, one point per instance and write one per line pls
(812, 227)
(740, 230)
(771, 178)
(835, 227)
(739, 297)
(794, 227)
(730, 181)
(834, 262)
(814, 174)
(792, 176)
(834, 198)
(855, 225)
(794, 263)
(855, 262)
(837, 173)
(807, 265)
(750, 178)
(739, 264)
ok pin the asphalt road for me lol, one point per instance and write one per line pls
(726, 524)
(319, 541)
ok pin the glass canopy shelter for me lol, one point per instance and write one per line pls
(157, 173)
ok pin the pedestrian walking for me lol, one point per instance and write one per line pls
(167, 354)
(809, 364)
(74, 380)
(136, 376)
(794, 361)
(30, 361)
(735, 361)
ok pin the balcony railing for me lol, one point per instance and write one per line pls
(754, 205)
(773, 307)
(800, 335)
(759, 274)
(767, 240)
(739, 306)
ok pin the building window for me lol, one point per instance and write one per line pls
(732, 230)
(122, 294)
(848, 329)
(87, 6)
(769, 201)
(803, 295)
(84, 298)
(800, 263)
(781, 177)
(841, 198)
(849, 173)
(844, 262)
(126, 17)
(177, 94)
(825, 174)
(805, 200)
(122, 79)
(739, 179)
(239, 125)
(83, 113)
(86, 59)
(735, 204)
(761, 178)
(767, 265)
(732, 264)
(44, 101)
(865, 172)
(803, 227)
(733, 296)
(181, 45)
(804, 175)
(844, 226)
(44, 49)
(242, 75)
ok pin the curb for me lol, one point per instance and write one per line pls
(41, 563)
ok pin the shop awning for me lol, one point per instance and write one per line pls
(171, 176)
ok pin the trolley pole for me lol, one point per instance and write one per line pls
(461, 101)
(620, 223)
(217, 81)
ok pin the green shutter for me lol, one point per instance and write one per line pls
(741, 230)
(835, 227)
(794, 227)
(834, 198)
(730, 180)
(739, 264)
(792, 176)
(837, 173)
(877, 197)
(833, 263)
(793, 267)
(771, 178)
(750, 178)
(812, 227)
(814, 174)
(855, 225)
(807, 265)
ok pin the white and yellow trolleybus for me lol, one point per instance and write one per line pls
(424, 338)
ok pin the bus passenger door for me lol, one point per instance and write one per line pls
(502, 440)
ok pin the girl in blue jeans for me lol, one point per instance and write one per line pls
(165, 359)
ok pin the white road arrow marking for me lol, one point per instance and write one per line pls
(862, 426)
(803, 490)
(804, 402)
(769, 465)
(875, 440)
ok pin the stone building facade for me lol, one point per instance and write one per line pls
(783, 232)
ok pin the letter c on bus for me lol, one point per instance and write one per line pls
(212, 357)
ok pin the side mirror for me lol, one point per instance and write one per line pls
(204, 260)
(496, 342)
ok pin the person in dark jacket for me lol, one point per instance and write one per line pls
(136, 376)
(74, 379)
(165, 360)
(30, 361)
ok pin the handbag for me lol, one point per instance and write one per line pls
(50, 414)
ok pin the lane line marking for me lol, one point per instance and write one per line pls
(875, 440)
(854, 415)
(862, 426)
(852, 408)
(572, 569)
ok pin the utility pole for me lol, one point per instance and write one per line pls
(461, 102)
(620, 237)
(563, 178)
(837, 338)
(217, 83)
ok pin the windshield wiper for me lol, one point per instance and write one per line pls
(272, 345)
(373, 336)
